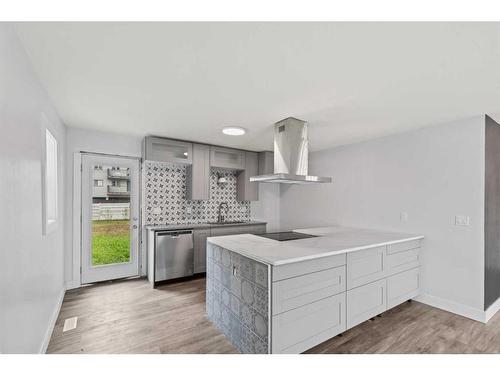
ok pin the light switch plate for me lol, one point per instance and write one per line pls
(404, 216)
(462, 220)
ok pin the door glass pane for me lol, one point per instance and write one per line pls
(110, 215)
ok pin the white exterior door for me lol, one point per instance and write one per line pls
(110, 218)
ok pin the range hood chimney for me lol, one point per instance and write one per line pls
(291, 149)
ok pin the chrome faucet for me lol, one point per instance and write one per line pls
(222, 217)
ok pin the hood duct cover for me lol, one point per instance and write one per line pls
(291, 152)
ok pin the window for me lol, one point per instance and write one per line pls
(98, 183)
(50, 181)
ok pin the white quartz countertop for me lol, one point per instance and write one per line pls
(331, 241)
(202, 225)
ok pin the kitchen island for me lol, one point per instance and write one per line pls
(269, 296)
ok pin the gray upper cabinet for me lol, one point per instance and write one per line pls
(198, 174)
(168, 150)
(221, 157)
(246, 190)
(266, 162)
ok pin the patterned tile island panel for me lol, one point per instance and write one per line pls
(237, 299)
(165, 187)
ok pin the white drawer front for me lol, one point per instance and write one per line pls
(402, 261)
(365, 266)
(403, 286)
(365, 302)
(301, 290)
(287, 271)
(300, 329)
(403, 246)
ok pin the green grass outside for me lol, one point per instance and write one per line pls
(110, 242)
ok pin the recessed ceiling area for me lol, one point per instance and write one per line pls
(350, 81)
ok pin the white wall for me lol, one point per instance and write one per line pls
(31, 264)
(433, 174)
(267, 208)
(78, 140)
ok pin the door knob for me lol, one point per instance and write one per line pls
(134, 226)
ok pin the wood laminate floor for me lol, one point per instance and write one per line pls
(130, 317)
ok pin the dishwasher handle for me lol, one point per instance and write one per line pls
(174, 234)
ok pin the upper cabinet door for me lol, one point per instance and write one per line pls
(198, 174)
(168, 150)
(246, 190)
(228, 158)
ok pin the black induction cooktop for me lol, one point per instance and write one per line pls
(285, 236)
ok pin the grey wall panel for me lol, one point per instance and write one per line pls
(492, 213)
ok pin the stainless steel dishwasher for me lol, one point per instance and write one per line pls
(173, 254)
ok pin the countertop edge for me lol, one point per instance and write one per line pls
(200, 226)
(214, 240)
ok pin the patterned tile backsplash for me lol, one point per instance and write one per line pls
(165, 196)
(237, 299)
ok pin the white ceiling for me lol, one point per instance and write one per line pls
(351, 81)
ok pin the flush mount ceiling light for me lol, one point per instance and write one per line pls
(233, 130)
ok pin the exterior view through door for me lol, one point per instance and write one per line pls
(110, 218)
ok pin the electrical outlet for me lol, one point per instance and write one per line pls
(189, 210)
(157, 210)
(403, 216)
(243, 209)
(462, 220)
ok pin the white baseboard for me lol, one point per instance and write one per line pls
(492, 310)
(52, 324)
(73, 284)
(453, 307)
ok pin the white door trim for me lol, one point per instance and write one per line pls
(75, 281)
(76, 213)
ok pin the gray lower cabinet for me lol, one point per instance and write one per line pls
(200, 240)
(402, 286)
(246, 190)
(298, 291)
(304, 327)
(200, 249)
(310, 301)
(198, 174)
(366, 266)
(239, 229)
(366, 301)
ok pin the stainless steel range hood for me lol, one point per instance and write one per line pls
(291, 149)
